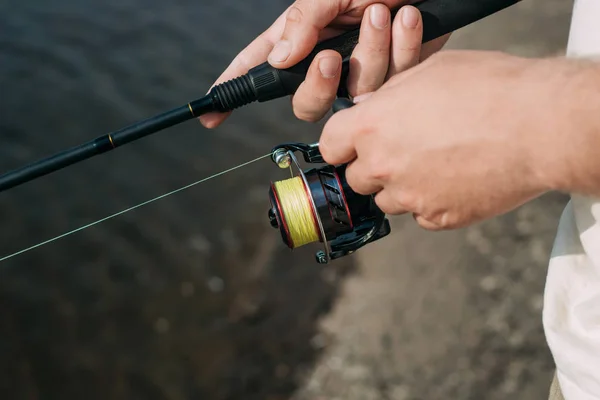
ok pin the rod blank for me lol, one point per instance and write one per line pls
(105, 143)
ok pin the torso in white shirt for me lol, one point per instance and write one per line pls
(572, 294)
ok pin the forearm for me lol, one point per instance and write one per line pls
(570, 131)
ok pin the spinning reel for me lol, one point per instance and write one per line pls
(318, 205)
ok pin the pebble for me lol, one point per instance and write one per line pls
(335, 363)
(399, 392)
(282, 371)
(516, 339)
(216, 284)
(538, 250)
(489, 283)
(496, 321)
(476, 238)
(318, 341)
(230, 240)
(200, 244)
(537, 302)
(162, 325)
(187, 289)
(356, 372)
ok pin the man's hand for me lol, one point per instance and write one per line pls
(466, 136)
(376, 58)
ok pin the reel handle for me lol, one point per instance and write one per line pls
(341, 103)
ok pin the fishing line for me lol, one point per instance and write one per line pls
(297, 211)
(134, 207)
(317, 206)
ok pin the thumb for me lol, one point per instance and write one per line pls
(303, 23)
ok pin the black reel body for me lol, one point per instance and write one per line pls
(343, 219)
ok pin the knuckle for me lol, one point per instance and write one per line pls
(389, 205)
(329, 150)
(378, 169)
(410, 47)
(356, 12)
(354, 181)
(450, 221)
(371, 51)
(350, 176)
(312, 113)
(362, 130)
(444, 220)
(323, 98)
(408, 200)
(434, 218)
(294, 14)
(367, 72)
(383, 206)
(311, 108)
(368, 87)
(377, 48)
(426, 224)
(324, 147)
(360, 189)
(440, 222)
(306, 115)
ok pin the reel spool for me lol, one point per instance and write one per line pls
(318, 205)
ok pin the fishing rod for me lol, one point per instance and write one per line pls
(262, 83)
(324, 207)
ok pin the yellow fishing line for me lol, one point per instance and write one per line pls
(297, 210)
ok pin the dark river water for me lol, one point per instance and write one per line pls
(193, 296)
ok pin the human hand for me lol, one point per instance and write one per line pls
(463, 137)
(376, 58)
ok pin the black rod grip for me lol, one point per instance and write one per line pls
(440, 17)
(264, 82)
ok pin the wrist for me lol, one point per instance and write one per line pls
(564, 97)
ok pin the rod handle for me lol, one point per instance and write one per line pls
(264, 82)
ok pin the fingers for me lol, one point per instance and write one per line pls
(295, 33)
(304, 21)
(255, 53)
(390, 202)
(407, 34)
(360, 180)
(316, 94)
(368, 68)
(371, 56)
(425, 224)
(337, 138)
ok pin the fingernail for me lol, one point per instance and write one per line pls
(379, 16)
(281, 51)
(329, 66)
(410, 17)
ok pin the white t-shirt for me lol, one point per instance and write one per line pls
(572, 295)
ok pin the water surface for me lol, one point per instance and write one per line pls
(190, 297)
